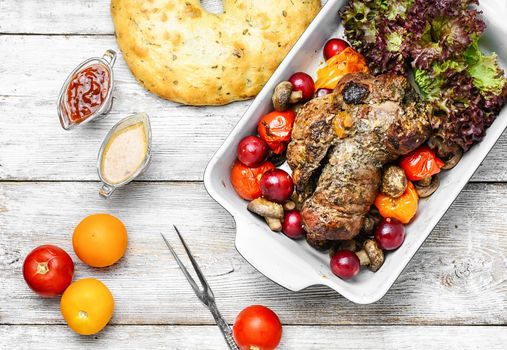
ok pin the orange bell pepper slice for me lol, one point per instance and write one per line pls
(403, 208)
(347, 61)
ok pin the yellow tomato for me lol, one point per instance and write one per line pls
(87, 306)
(100, 240)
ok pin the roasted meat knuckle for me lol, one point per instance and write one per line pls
(339, 177)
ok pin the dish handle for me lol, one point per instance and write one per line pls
(255, 243)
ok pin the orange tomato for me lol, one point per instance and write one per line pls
(347, 61)
(100, 240)
(403, 208)
(245, 180)
(87, 306)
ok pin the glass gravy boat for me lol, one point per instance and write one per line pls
(128, 124)
(64, 114)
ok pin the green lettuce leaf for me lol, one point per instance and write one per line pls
(394, 41)
(487, 75)
(429, 85)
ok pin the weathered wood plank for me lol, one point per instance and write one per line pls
(294, 337)
(64, 17)
(55, 17)
(184, 138)
(458, 277)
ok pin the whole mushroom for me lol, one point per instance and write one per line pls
(284, 96)
(371, 255)
(271, 211)
(394, 181)
(453, 160)
(426, 187)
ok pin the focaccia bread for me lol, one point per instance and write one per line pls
(181, 52)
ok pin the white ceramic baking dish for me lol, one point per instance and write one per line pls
(294, 264)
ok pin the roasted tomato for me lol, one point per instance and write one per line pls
(347, 61)
(48, 270)
(402, 208)
(275, 128)
(245, 180)
(257, 327)
(421, 163)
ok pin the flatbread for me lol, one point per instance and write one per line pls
(181, 52)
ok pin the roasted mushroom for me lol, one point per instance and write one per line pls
(271, 211)
(274, 223)
(394, 181)
(265, 208)
(289, 205)
(283, 96)
(453, 160)
(371, 255)
(426, 187)
(372, 219)
(443, 149)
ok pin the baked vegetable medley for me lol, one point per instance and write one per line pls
(386, 114)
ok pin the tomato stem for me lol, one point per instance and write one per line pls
(42, 268)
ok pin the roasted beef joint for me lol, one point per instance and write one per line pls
(340, 143)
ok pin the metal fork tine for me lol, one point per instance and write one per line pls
(194, 286)
(197, 269)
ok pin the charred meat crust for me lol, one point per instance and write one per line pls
(312, 136)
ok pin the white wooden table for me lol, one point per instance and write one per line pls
(452, 295)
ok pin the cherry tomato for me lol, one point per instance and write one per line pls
(87, 306)
(333, 47)
(276, 185)
(345, 264)
(390, 234)
(402, 208)
(303, 82)
(245, 180)
(48, 270)
(252, 151)
(323, 92)
(275, 128)
(292, 225)
(421, 163)
(257, 327)
(100, 240)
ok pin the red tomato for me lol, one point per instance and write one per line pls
(421, 163)
(275, 128)
(257, 327)
(245, 180)
(48, 270)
